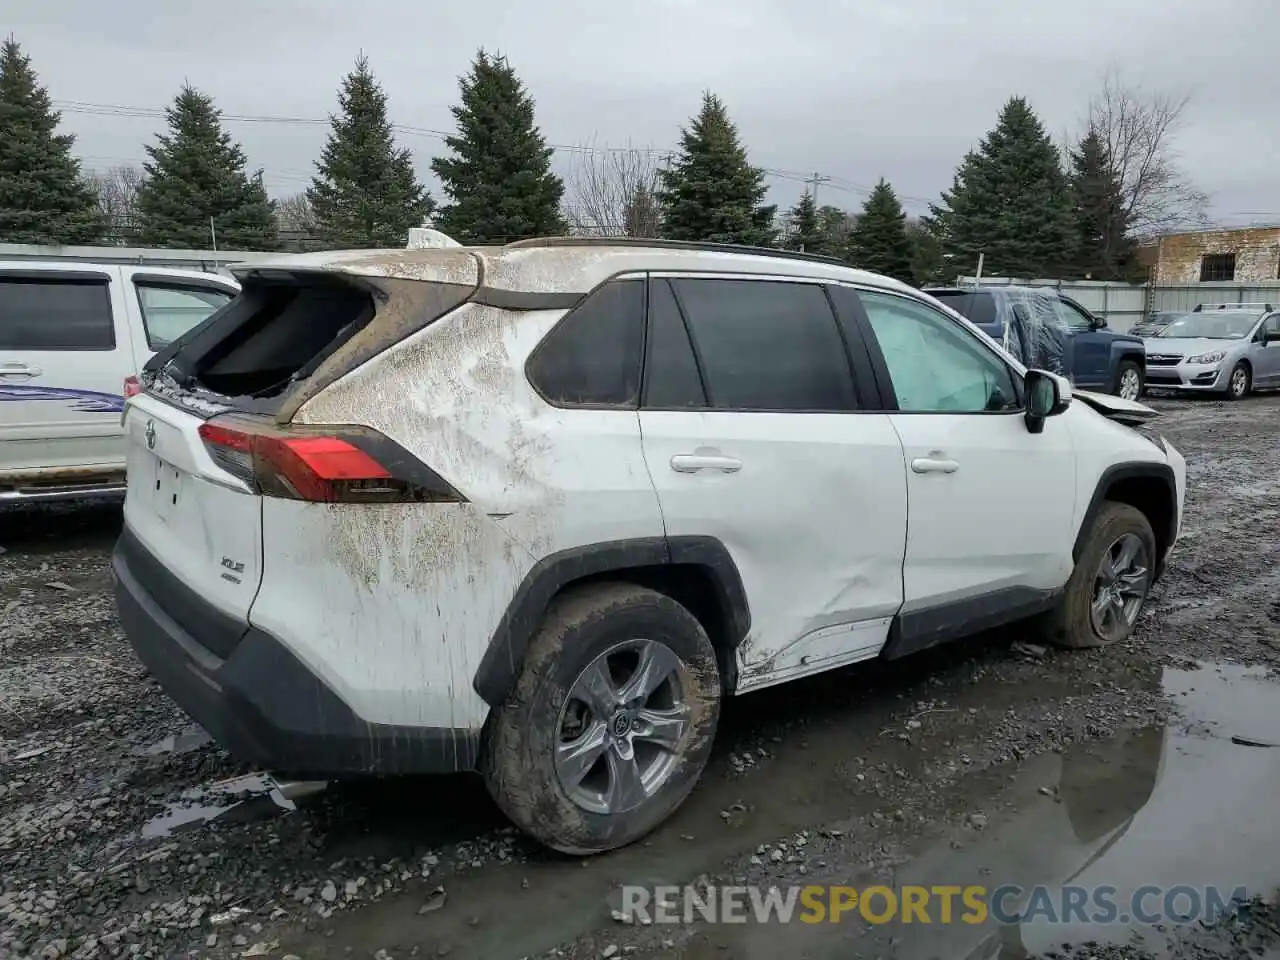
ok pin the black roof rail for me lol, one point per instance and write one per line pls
(704, 246)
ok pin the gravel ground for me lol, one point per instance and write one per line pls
(862, 775)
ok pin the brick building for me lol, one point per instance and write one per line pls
(1248, 254)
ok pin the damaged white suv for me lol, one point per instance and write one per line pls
(537, 509)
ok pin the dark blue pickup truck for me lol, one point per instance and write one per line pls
(1053, 332)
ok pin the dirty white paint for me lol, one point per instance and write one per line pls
(391, 605)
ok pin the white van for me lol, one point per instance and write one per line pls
(73, 338)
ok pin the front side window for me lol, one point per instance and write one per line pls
(766, 345)
(55, 314)
(169, 312)
(1076, 317)
(935, 364)
(592, 357)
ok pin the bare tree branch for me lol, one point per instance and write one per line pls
(117, 197)
(296, 223)
(611, 191)
(1139, 128)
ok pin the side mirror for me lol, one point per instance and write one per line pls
(1099, 323)
(1047, 396)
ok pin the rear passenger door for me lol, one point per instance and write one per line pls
(64, 354)
(755, 433)
(992, 506)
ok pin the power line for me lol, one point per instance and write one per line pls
(86, 108)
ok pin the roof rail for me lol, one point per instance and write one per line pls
(705, 246)
(1201, 307)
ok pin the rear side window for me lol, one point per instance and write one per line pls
(767, 345)
(55, 314)
(975, 306)
(672, 380)
(592, 357)
(169, 312)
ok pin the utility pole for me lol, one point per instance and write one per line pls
(813, 183)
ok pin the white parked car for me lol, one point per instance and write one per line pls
(537, 509)
(71, 335)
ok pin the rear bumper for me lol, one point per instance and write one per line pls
(261, 702)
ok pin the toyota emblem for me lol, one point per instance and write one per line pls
(151, 434)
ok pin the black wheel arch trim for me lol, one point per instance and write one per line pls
(1117, 473)
(500, 666)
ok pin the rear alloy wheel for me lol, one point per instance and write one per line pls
(1240, 382)
(1129, 381)
(611, 721)
(1110, 583)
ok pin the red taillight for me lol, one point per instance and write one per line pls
(342, 465)
(132, 387)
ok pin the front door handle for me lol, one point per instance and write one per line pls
(19, 370)
(693, 462)
(930, 465)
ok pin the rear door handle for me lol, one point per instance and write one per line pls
(693, 462)
(930, 465)
(19, 370)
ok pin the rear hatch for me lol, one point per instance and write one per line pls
(210, 434)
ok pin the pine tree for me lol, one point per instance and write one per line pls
(365, 193)
(806, 231)
(712, 192)
(1104, 251)
(43, 197)
(640, 215)
(195, 179)
(928, 265)
(1010, 201)
(879, 240)
(499, 177)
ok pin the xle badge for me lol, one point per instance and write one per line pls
(232, 569)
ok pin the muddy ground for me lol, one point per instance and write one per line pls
(992, 763)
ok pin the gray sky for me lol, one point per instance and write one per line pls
(855, 90)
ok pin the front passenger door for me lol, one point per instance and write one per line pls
(990, 505)
(1266, 354)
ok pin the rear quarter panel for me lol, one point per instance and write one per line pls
(396, 605)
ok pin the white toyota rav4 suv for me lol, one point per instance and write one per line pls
(537, 509)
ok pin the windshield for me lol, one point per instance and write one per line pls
(1211, 326)
(976, 306)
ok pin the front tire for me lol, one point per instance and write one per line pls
(1129, 381)
(1240, 382)
(610, 723)
(1110, 583)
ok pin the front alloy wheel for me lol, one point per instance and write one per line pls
(1238, 385)
(1120, 587)
(1130, 383)
(1109, 585)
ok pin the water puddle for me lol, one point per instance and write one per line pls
(1186, 807)
(240, 799)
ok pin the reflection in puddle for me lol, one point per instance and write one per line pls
(1163, 807)
(252, 797)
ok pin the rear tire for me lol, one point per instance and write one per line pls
(586, 757)
(1128, 381)
(1110, 583)
(1240, 382)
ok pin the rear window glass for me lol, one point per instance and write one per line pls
(976, 306)
(169, 312)
(592, 357)
(38, 314)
